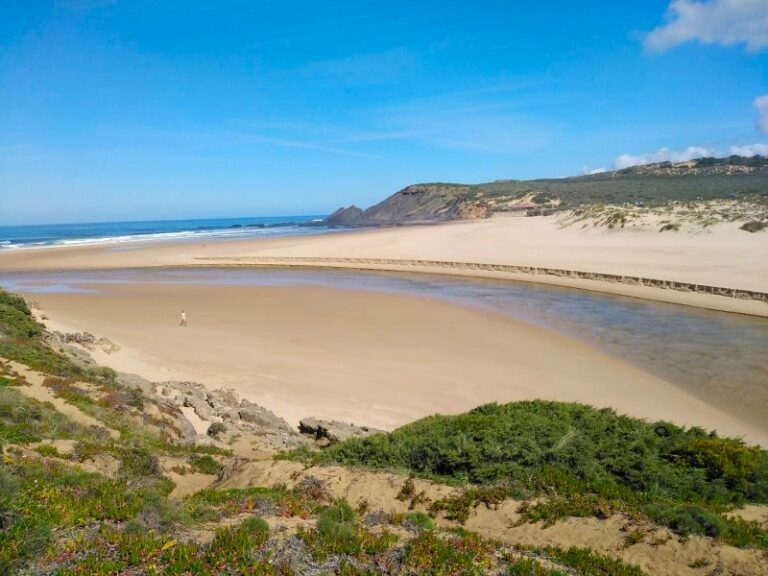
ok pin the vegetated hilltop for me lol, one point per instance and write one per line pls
(705, 179)
(103, 473)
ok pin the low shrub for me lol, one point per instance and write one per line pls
(754, 226)
(139, 462)
(48, 450)
(566, 449)
(204, 464)
(216, 429)
(339, 532)
(419, 520)
(232, 546)
(432, 554)
(686, 520)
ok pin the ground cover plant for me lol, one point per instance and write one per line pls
(58, 518)
(590, 461)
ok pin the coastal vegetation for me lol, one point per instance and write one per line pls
(702, 192)
(585, 461)
(96, 496)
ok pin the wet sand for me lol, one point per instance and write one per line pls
(722, 256)
(370, 358)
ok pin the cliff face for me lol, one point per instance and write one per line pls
(352, 216)
(419, 203)
(658, 184)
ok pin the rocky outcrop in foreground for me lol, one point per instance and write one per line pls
(235, 414)
(221, 412)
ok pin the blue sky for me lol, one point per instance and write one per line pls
(138, 109)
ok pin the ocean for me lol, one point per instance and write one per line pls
(16, 237)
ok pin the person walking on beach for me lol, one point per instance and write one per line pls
(183, 319)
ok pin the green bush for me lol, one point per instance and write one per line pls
(204, 464)
(139, 462)
(339, 532)
(24, 420)
(216, 429)
(420, 520)
(21, 340)
(567, 449)
(689, 520)
(739, 466)
(754, 226)
(37, 496)
(232, 546)
(338, 524)
(528, 567)
(48, 450)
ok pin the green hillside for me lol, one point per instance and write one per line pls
(703, 179)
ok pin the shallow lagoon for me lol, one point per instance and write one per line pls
(719, 357)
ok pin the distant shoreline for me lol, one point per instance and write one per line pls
(722, 269)
(26, 237)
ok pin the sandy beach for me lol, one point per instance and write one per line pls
(723, 256)
(374, 359)
(384, 359)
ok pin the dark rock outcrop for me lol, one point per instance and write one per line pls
(420, 203)
(352, 216)
(331, 432)
(240, 416)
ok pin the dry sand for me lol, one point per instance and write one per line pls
(723, 256)
(369, 358)
(36, 390)
(660, 553)
(383, 360)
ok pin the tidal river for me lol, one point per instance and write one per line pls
(719, 357)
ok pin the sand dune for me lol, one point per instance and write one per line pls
(723, 256)
(383, 360)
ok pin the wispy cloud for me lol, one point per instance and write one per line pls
(587, 171)
(223, 138)
(371, 68)
(724, 22)
(663, 155)
(16, 153)
(689, 153)
(490, 118)
(749, 150)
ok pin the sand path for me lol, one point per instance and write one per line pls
(38, 391)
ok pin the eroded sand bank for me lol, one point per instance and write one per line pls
(723, 256)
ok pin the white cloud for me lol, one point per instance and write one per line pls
(749, 150)
(587, 171)
(663, 155)
(724, 22)
(761, 104)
